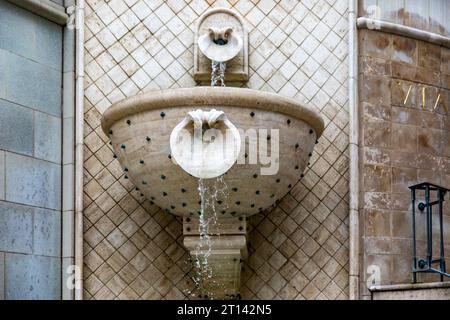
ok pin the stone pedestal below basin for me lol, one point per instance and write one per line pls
(224, 252)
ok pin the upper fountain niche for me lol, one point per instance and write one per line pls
(221, 36)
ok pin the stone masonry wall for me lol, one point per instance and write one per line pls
(402, 143)
(298, 49)
(30, 155)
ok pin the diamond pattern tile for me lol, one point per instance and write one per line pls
(298, 250)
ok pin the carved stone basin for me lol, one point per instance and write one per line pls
(140, 128)
(256, 147)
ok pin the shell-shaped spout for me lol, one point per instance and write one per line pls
(205, 143)
(220, 45)
(209, 117)
(220, 34)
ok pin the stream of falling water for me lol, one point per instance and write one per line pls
(210, 191)
(218, 73)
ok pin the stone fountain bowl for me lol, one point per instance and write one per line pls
(140, 128)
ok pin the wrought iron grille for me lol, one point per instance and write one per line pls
(428, 264)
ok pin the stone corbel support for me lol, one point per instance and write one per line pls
(217, 261)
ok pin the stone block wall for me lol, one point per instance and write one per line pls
(298, 49)
(404, 140)
(30, 155)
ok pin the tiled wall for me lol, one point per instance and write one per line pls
(30, 155)
(402, 143)
(298, 49)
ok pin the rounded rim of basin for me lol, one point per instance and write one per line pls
(211, 96)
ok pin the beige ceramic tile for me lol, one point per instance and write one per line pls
(297, 49)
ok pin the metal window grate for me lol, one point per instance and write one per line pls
(428, 264)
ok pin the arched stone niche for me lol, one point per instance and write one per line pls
(237, 68)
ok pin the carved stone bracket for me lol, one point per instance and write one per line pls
(217, 262)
